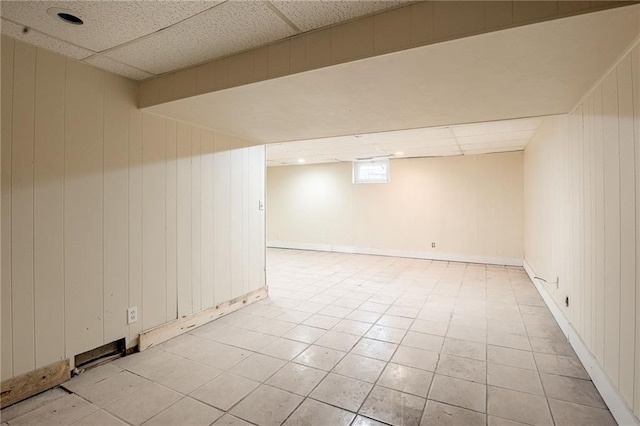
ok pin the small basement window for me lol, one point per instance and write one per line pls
(371, 171)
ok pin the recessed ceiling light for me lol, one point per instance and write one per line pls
(398, 153)
(301, 160)
(65, 15)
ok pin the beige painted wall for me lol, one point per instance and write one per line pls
(582, 220)
(106, 207)
(471, 207)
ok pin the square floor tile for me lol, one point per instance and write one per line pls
(499, 421)
(378, 308)
(569, 414)
(467, 333)
(512, 341)
(144, 403)
(465, 349)
(267, 406)
(569, 389)
(284, 348)
(187, 412)
(341, 391)
(514, 378)
(402, 311)
(462, 368)
(112, 388)
(417, 358)
(335, 311)
(257, 367)
(275, 327)
(458, 392)
(295, 317)
(320, 357)
(188, 376)
(406, 379)
(44, 398)
(518, 406)
(225, 391)
(438, 328)
(357, 328)
(393, 407)
(395, 321)
(511, 357)
(321, 321)
(386, 334)
(552, 346)
(429, 342)
(296, 378)
(360, 367)
(305, 333)
(363, 316)
(560, 365)
(98, 418)
(314, 413)
(336, 340)
(62, 411)
(375, 349)
(437, 413)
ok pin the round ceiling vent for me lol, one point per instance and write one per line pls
(65, 15)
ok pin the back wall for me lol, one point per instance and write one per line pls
(471, 207)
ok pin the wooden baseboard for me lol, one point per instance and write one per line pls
(164, 332)
(34, 382)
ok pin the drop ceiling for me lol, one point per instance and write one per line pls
(142, 39)
(528, 71)
(463, 139)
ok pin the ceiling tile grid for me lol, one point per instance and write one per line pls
(476, 138)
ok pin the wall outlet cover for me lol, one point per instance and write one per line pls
(132, 315)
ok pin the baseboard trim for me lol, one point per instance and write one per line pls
(164, 332)
(449, 257)
(28, 384)
(617, 405)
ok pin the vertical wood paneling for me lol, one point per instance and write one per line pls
(256, 216)
(635, 66)
(172, 221)
(603, 166)
(206, 189)
(105, 207)
(6, 349)
(119, 94)
(48, 223)
(135, 220)
(196, 238)
(612, 227)
(598, 133)
(185, 299)
(154, 280)
(221, 219)
(22, 151)
(83, 192)
(245, 221)
(628, 230)
(235, 203)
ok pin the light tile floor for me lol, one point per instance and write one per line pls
(349, 340)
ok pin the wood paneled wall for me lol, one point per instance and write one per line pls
(106, 207)
(582, 220)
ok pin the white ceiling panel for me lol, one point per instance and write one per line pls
(412, 135)
(517, 125)
(116, 67)
(399, 146)
(228, 28)
(490, 150)
(44, 41)
(496, 136)
(308, 15)
(106, 23)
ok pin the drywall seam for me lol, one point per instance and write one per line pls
(618, 407)
(450, 257)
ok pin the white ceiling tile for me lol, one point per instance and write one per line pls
(44, 41)
(518, 143)
(309, 15)
(116, 67)
(103, 20)
(228, 28)
(413, 135)
(432, 152)
(496, 137)
(502, 126)
(400, 146)
(490, 150)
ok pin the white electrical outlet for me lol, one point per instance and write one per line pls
(132, 315)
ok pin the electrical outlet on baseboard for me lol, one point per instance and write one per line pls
(132, 315)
